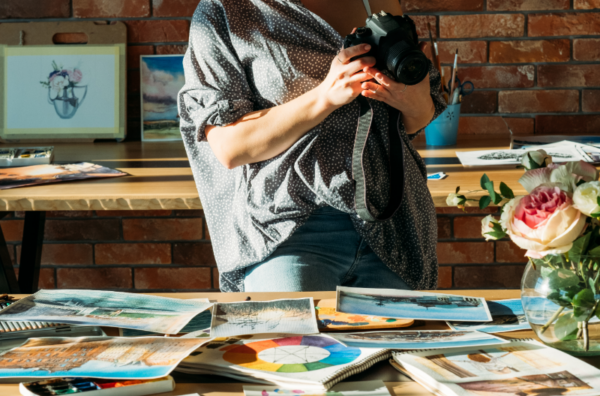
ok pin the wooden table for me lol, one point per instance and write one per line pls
(160, 177)
(397, 383)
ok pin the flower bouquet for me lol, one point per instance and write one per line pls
(61, 84)
(557, 223)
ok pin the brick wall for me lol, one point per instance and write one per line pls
(532, 61)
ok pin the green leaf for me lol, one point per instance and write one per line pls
(546, 271)
(559, 298)
(565, 326)
(506, 191)
(584, 299)
(581, 314)
(496, 198)
(595, 214)
(592, 284)
(485, 179)
(457, 189)
(484, 201)
(579, 247)
(562, 278)
(597, 313)
(598, 200)
(595, 252)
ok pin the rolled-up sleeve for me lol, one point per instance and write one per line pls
(216, 91)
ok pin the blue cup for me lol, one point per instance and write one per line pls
(443, 130)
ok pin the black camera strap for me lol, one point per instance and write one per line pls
(396, 163)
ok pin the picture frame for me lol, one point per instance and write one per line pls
(54, 93)
(161, 79)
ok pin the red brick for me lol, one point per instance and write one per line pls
(421, 25)
(498, 76)
(11, 253)
(488, 277)
(94, 278)
(174, 8)
(569, 75)
(206, 233)
(162, 229)
(482, 25)
(591, 100)
(444, 277)
(467, 227)
(133, 213)
(35, 9)
(111, 8)
(526, 51)
(194, 254)
(47, 278)
(480, 102)
(69, 213)
(173, 278)
(468, 210)
(520, 126)
(539, 101)
(64, 254)
(465, 252)
(508, 252)
(563, 24)
(468, 51)
(586, 49)
(70, 38)
(133, 55)
(215, 280)
(189, 213)
(157, 31)
(567, 124)
(586, 4)
(81, 230)
(482, 126)
(444, 227)
(171, 49)
(12, 230)
(133, 253)
(442, 5)
(133, 81)
(527, 5)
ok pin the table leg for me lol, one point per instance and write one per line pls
(31, 251)
(8, 280)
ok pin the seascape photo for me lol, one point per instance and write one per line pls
(200, 322)
(412, 305)
(103, 308)
(161, 79)
(290, 316)
(507, 315)
(425, 339)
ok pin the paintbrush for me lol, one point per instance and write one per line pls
(453, 73)
(433, 54)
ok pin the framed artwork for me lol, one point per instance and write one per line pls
(62, 92)
(161, 79)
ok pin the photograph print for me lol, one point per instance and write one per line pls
(406, 304)
(161, 80)
(507, 315)
(289, 316)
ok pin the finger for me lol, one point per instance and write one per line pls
(371, 86)
(353, 30)
(377, 95)
(359, 77)
(359, 64)
(347, 53)
(383, 79)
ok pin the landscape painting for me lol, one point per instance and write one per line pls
(423, 339)
(359, 388)
(406, 304)
(97, 357)
(507, 315)
(290, 316)
(103, 308)
(161, 80)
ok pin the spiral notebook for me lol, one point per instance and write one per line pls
(520, 367)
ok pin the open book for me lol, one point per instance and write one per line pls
(518, 368)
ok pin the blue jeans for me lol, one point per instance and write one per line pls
(323, 253)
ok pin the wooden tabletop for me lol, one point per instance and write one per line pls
(396, 382)
(160, 177)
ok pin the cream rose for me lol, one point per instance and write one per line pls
(487, 226)
(455, 199)
(585, 197)
(536, 159)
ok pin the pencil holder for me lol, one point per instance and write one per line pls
(443, 130)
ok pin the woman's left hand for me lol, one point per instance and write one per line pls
(413, 101)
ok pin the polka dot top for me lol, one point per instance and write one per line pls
(248, 55)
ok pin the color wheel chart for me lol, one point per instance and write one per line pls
(291, 354)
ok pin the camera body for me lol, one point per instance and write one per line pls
(395, 46)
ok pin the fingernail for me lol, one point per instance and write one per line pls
(367, 47)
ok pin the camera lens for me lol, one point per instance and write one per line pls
(413, 68)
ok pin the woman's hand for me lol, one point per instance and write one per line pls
(343, 82)
(413, 101)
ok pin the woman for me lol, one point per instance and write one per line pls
(268, 116)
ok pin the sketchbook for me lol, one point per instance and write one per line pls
(507, 315)
(314, 361)
(520, 367)
(562, 153)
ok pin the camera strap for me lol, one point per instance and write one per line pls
(396, 163)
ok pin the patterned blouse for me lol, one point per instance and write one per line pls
(247, 55)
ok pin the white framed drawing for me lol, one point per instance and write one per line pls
(161, 79)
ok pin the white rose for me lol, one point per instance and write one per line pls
(536, 159)
(455, 199)
(585, 197)
(567, 175)
(487, 225)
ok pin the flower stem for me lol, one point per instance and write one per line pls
(552, 319)
(579, 330)
(586, 337)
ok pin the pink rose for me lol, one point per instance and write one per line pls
(75, 75)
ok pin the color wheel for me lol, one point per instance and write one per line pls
(291, 354)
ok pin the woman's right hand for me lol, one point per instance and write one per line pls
(343, 82)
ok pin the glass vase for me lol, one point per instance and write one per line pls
(560, 299)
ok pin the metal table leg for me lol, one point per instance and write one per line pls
(31, 251)
(8, 280)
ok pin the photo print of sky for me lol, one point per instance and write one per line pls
(507, 315)
(161, 79)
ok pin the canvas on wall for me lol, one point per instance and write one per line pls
(161, 80)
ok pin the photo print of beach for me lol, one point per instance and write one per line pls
(406, 304)
(97, 357)
(290, 316)
(507, 315)
(161, 79)
(105, 308)
(200, 322)
(358, 388)
(417, 339)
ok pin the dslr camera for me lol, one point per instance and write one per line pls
(394, 45)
